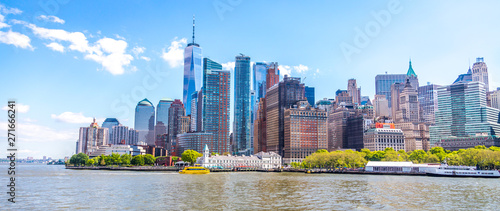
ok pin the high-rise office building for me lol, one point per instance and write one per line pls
(462, 115)
(409, 108)
(396, 89)
(176, 112)
(145, 121)
(120, 135)
(337, 126)
(343, 96)
(162, 110)
(192, 72)
(280, 96)
(495, 99)
(309, 93)
(354, 91)
(305, 131)
(427, 98)
(480, 72)
(91, 138)
(216, 105)
(384, 82)
(109, 123)
(194, 112)
(259, 79)
(379, 138)
(242, 112)
(260, 122)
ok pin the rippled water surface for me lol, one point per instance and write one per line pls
(41, 187)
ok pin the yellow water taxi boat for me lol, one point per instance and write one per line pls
(194, 170)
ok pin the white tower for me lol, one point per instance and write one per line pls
(480, 72)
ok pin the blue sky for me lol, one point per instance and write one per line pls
(68, 61)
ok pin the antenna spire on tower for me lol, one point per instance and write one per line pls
(193, 28)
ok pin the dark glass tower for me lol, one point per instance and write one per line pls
(242, 114)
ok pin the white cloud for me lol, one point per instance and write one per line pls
(37, 133)
(138, 50)
(116, 58)
(145, 58)
(108, 52)
(5, 10)
(175, 56)
(301, 68)
(2, 24)
(228, 66)
(15, 38)
(119, 37)
(21, 108)
(56, 46)
(51, 18)
(70, 117)
(285, 70)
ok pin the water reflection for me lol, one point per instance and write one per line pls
(53, 187)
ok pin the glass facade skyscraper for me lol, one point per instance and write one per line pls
(162, 110)
(216, 105)
(309, 93)
(192, 72)
(110, 123)
(383, 84)
(242, 114)
(145, 121)
(462, 112)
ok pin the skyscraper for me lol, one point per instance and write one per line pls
(194, 111)
(162, 110)
(216, 104)
(427, 98)
(462, 114)
(109, 123)
(242, 114)
(176, 112)
(384, 82)
(480, 72)
(309, 94)
(145, 121)
(412, 77)
(192, 72)
(280, 96)
(91, 138)
(381, 106)
(259, 79)
(354, 91)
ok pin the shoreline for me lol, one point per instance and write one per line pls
(303, 171)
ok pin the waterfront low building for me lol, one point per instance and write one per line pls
(399, 167)
(261, 160)
(456, 143)
(118, 149)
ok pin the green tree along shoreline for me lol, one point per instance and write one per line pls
(126, 160)
(480, 156)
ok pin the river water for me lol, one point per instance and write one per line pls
(42, 187)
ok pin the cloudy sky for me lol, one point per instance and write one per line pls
(65, 62)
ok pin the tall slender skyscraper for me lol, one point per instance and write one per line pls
(192, 72)
(176, 112)
(242, 114)
(216, 104)
(480, 72)
(145, 121)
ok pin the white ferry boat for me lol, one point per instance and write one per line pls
(462, 171)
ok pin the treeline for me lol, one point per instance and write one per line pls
(485, 158)
(81, 159)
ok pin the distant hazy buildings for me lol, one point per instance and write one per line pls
(381, 105)
(109, 123)
(305, 131)
(242, 112)
(495, 99)
(145, 121)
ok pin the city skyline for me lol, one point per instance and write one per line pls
(58, 93)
